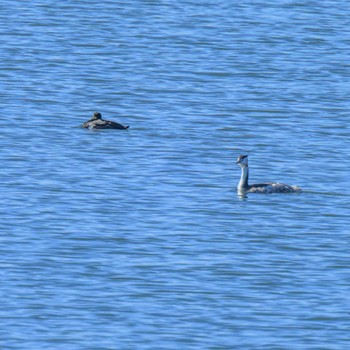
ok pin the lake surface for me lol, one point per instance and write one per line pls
(137, 239)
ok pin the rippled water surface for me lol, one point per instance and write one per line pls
(137, 239)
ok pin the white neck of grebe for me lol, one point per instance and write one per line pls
(243, 183)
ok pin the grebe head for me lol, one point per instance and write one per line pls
(242, 161)
(96, 115)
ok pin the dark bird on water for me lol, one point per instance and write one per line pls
(96, 122)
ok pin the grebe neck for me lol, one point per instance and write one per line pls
(243, 183)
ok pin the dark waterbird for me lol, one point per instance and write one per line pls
(96, 122)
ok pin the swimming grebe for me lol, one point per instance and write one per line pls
(96, 122)
(266, 187)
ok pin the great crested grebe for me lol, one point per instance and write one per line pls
(266, 187)
(96, 122)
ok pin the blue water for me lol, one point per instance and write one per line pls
(137, 239)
